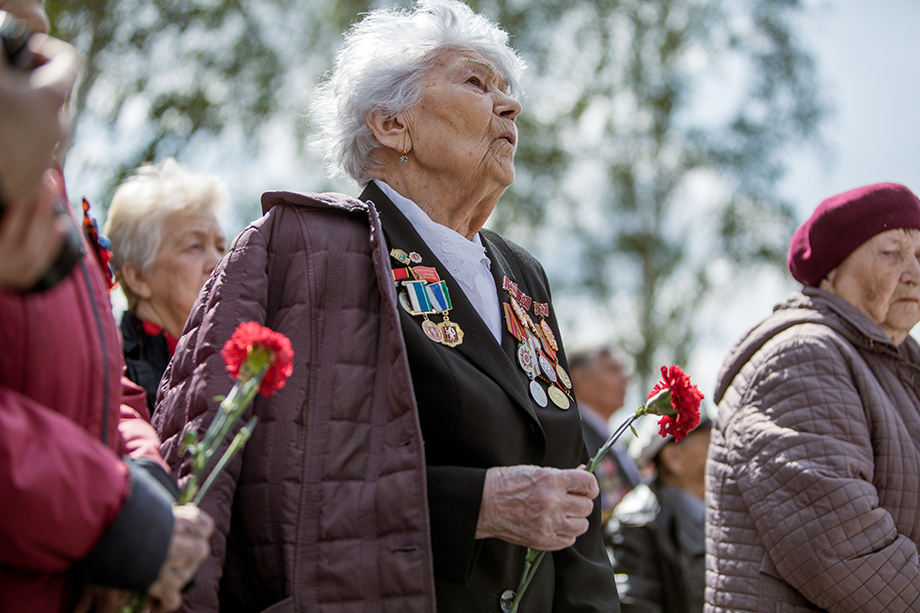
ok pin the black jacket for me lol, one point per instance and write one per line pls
(146, 356)
(476, 413)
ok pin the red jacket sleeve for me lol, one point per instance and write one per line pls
(140, 439)
(60, 489)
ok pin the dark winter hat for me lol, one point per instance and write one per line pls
(843, 222)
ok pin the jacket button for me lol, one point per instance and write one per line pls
(507, 600)
(915, 379)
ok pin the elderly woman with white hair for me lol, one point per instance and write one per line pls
(166, 240)
(428, 435)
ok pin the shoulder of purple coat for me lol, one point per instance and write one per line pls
(325, 199)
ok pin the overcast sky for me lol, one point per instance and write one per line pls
(868, 56)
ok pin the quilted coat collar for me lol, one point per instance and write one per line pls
(318, 200)
(812, 305)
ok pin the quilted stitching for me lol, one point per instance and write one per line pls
(813, 479)
(333, 477)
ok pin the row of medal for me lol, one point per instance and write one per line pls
(424, 293)
(537, 347)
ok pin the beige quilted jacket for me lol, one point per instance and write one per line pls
(813, 481)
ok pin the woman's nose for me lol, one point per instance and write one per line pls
(214, 256)
(507, 107)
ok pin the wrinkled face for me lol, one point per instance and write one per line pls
(192, 245)
(882, 279)
(463, 128)
(33, 11)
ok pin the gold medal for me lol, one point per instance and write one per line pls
(453, 335)
(559, 398)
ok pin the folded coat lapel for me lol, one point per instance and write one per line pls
(498, 362)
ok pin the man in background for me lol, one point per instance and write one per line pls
(600, 377)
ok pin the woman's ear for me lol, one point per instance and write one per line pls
(390, 131)
(135, 281)
(827, 283)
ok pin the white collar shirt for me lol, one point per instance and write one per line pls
(466, 260)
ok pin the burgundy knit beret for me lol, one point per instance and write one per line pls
(843, 222)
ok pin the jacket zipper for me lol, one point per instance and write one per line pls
(105, 353)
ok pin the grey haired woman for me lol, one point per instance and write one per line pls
(428, 435)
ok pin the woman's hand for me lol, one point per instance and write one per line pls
(31, 118)
(98, 599)
(188, 547)
(542, 508)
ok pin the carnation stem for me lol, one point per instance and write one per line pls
(238, 441)
(534, 557)
(593, 462)
(231, 407)
(531, 564)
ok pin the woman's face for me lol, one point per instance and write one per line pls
(192, 245)
(463, 131)
(882, 279)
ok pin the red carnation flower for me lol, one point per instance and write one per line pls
(685, 402)
(676, 400)
(254, 347)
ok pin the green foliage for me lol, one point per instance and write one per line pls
(181, 71)
(653, 137)
(657, 134)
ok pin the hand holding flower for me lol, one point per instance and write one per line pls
(543, 508)
(261, 360)
(187, 548)
(677, 401)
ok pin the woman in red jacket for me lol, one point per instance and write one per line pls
(79, 526)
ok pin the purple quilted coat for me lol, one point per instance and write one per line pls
(813, 481)
(326, 512)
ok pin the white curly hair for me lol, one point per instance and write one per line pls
(381, 66)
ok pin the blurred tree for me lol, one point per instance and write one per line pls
(163, 74)
(653, 136)
(658, 132)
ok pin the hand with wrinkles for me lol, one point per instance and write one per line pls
(187, 548)
(532, 506)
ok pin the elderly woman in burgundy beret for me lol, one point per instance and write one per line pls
(813, 480)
